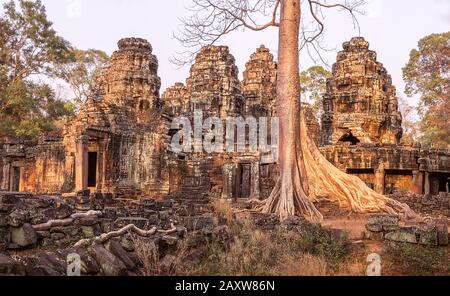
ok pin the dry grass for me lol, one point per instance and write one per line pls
(309, 251)
(148, 254)
(301, 265)
(254, 252)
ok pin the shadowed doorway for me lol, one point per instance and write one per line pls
(92, 169)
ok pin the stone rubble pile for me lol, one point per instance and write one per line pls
(387, 227)
(22, 216)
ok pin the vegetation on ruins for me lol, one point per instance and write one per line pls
(305, 175)
(32, 53)
(428, 74)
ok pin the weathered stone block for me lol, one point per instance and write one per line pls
(10, 267)
(402, 236)
(374, 227)
(110, 265)
(12, 198)
(24, 236)
(17, 218)
(428, 236)
(117, 250)
(384, 220)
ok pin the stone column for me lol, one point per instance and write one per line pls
(417, 182)
(6, 175)
(255, 187)
(100, 165)
(227, 190)
(380, 179)
(427, 183)
(81, 164)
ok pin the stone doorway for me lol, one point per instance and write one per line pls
(15, 179)
(92, 169)
(242, 188)
(444, 182)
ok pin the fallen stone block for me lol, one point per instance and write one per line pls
(402, 236)
(427, 235)
(374, 227)
(17, 218)
(37, 267)
(10, 267)
(110, 265)
(24, 236)
(384, 220)
(117, 250)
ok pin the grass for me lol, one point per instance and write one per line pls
(306, 250)
(413, 260)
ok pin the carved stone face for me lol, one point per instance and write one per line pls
(361, 99)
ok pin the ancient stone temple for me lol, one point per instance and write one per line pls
(259, 84)
(118, 141)
(360, 105)
(361, 128)
(213, 84)
(213, 87)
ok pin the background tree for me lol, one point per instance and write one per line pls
(313, 84)
(81, 72)
(305, 175)
(29, 48)
(428, 74)
(410, 123)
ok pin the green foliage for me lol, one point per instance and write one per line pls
(428, 74)
(313, 84)
(29, 46)
(82, 72)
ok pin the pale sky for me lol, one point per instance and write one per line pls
(393, 28)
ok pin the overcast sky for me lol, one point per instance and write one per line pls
(393, 28)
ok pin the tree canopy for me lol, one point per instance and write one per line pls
(428, 74)
(31, 54)
(313, 83)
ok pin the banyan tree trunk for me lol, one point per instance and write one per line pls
(305, 175)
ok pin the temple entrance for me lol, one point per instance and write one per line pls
(15, 179)
(444, 182)
(242, 188)
(349, 138)
(92, 169)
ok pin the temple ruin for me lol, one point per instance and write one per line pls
(362, 131)
(119, 143)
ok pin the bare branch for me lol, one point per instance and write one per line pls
(212, 19)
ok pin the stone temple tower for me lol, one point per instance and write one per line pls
(132, 79)
(360, 105)
(259, 84)
(213, 84)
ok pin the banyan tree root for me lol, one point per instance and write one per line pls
(321, 180)
(66, 222)
(127, 229)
